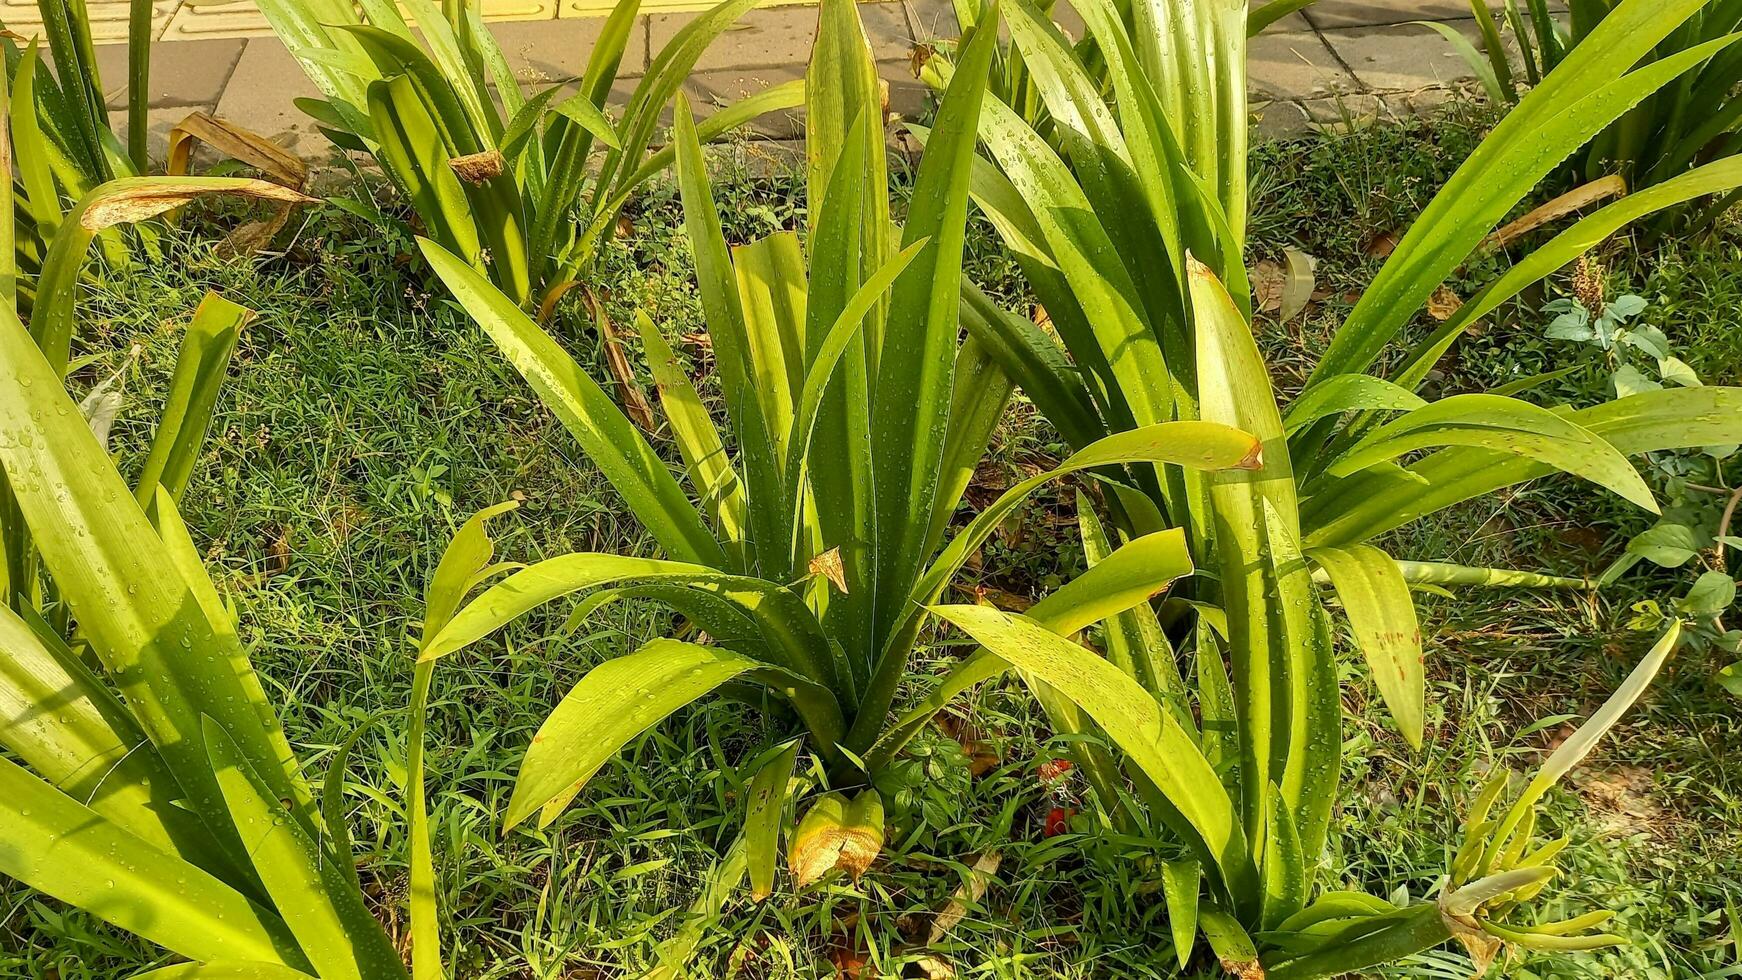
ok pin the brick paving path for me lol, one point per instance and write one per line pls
(1335, 62)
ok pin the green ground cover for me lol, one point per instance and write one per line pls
(367, 418)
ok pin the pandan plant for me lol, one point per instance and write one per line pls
(146, 779)
(816, 526)
(1127, 216)
(495, 176)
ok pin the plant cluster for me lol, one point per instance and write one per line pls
(1690, 122)
(1230, 539)
(1698, 524)
(496, 177)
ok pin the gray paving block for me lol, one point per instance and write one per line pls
(1279, 120)
(1406, 57)
(1327, 14)
(779, 36)
(260, 97)
(1345, 113)
(557, 50)
(908, 96)
(710, 90)
(929, 20)
(1294, 66)
(183, 73)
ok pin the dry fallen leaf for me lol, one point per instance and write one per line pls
(1383, 244)
(245, 146)
(969, 894)
(983, 755)
(1042, 318)
(1269, 282)
(120, 203)
(829, 566)
(1443, 304)
(252, 236)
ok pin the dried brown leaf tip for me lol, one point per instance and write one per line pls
(829, 566)
(128, 201)
(479, 168)
(835, 834)
(1243, 969)
(1443, 304)
(966, 897)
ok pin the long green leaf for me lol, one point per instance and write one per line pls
(1347, 393)
(613, 703)
(742, 378)
(1713, 178)
(1200, 445)
(1156, 743)
(52, 843)
(589, 414)
(1128, 577)
(224, 971)
(466, 556)
(1589, 90)
(1508, 425)
(765, 808)
(56, 716)
(1378, 501)
(1179, 887)
(169, 659)
(1377, 601)
(193, 395)
(316, 897)
(1265, 635)
(698, 440)
(912, 388)
(1580, 744)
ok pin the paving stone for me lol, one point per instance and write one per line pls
(711, 90)
(779, 36)
(557, 50)
(908, 96)
(1344, 113)
(188, 73)
(1431, 99)
(158, 123)
(242, 18)
(1279, 121)
(1405, 58)
(1328, 14)
(260, 97)
(930, 20)
(1294, 66)
(108, 18)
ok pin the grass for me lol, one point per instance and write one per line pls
(367, 419)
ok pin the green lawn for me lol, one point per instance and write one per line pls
(367, 418)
